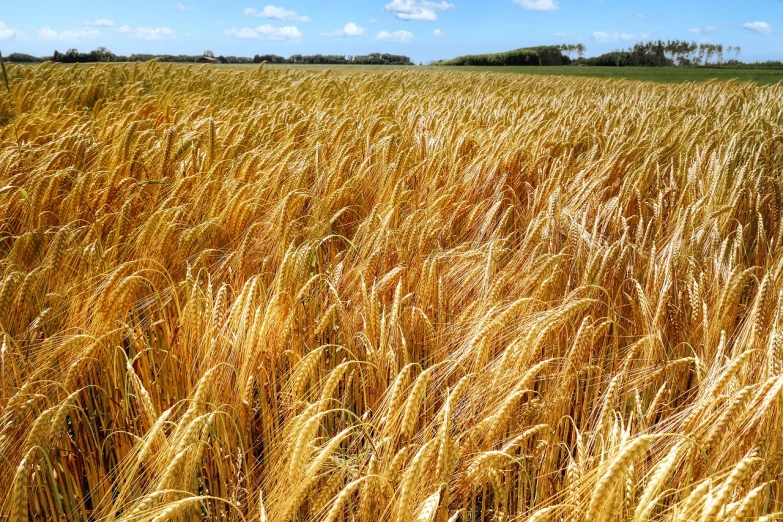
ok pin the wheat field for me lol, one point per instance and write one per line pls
(285, 295)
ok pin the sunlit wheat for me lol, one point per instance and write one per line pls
(290, 295)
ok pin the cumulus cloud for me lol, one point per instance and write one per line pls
(266, 32)
(182, 8)
(539, 5)
(68, 35)
(413, 10)
(710, 29)
(395, 36)
(437, 33)
(760, 27)
(276, 13)
(350, 29)
(602, 36)
(148, 33)
(100, 22)
(6, 33)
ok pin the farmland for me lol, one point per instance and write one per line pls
(760, 76)
(649, 74)
(287, 294)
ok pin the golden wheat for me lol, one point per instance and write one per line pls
(287, 295)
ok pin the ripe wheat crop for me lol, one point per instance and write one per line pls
(285, 295)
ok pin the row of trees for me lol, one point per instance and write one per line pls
(102, 54)
(571, 49)
(337, 59)
(690, 53)
(531, 56)
(643, 54)
(669, 53)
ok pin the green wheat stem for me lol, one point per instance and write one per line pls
(5, 74)
(11, 101)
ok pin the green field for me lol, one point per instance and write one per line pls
(651, 74)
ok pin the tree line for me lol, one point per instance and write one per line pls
(336, 59)
(102, 54)
(669, 53)
(571, 49)
(643, 54)
(528, 56)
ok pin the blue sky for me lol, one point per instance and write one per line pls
(424, 30)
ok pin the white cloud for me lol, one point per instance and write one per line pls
(760, 27)
(395, 36)
(571, 36)
(350, 29)
(68, 35)
(373, 20)
(276, 13)
(421, 10)
(437, 33)
(641, 16)
(539, 5)
(6, 33)
(182, 8)
(148, 33)
(602, 36)
(100, 22)
(266, 32)
(710, 29)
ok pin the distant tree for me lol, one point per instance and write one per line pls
(569, 49)
(573, 49)
(22, 58)
(70, 56)
(669, 49)
(269, 58)
(209, 54)
(682, 51)
(674, 50)
(102, 54)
